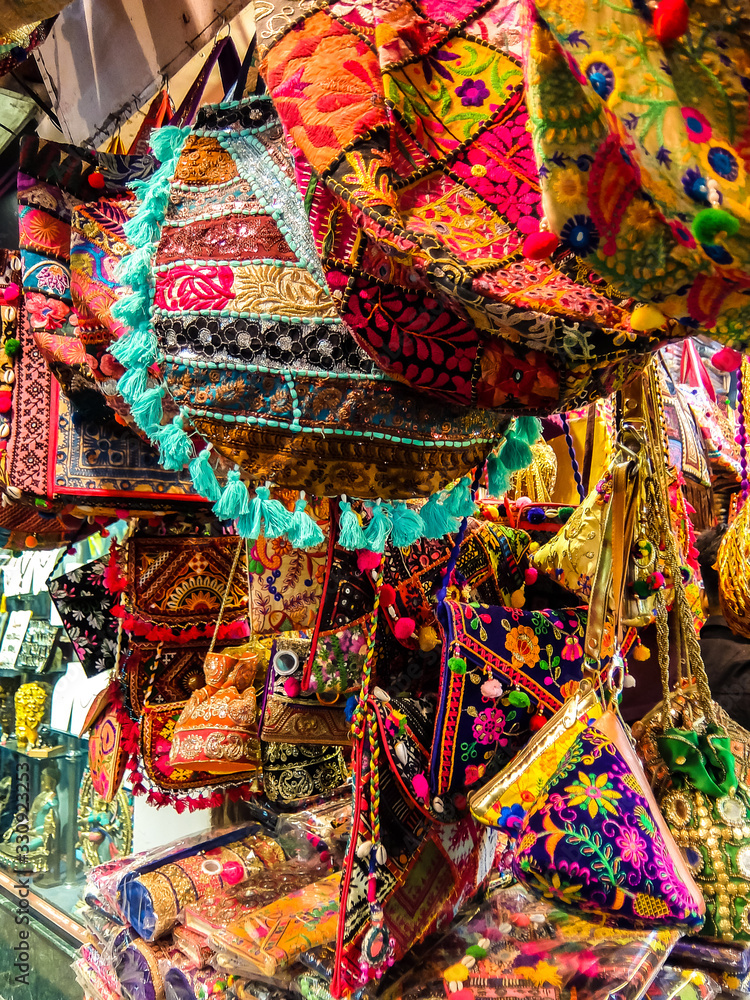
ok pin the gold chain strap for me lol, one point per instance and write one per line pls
(689, 645)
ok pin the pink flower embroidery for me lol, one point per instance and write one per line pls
(632, 847)
(190, 287)
(488, 726)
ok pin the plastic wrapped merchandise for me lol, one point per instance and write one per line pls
(150, 900)
(196, 984)
(105, 882)
(725, 957)
(525, 949)
(271, 938)
(319, 832)
(673, 983)
(232, 904)
(138, 969)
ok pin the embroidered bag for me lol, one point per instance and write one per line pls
(254, 352)
(107, 725)
(84, 604)
(217, 730)
(596, 839)
(648, 188)
(504, 672)
(506, 797)
(55, 452)
(422, 192)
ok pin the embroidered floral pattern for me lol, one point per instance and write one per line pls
(577, 843)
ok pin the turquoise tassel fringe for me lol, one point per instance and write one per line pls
(233, 502)
(249, 524)
(436, 520)
(175, 446)
(204, 479)
(276, 518)
(136, 350)
(147, 411)
(498, 477)
(378, 529)
(407, 526)
(133, 384)
(459, 503)
(515, 455)
(304, 532)
(528, 429)
(351, 536)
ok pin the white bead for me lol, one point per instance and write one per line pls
(380, 694)
(469, 961)
(454, 987)
(505, 928)
(537, 918)
(381, 855)
(484, 943)
(437, 804)
(401, 752)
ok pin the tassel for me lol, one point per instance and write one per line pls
(276, 518)
(134, 269)
(249, 524)
(203, 476)
(436, 520)
(528, 429)
(407, 526)
(135, 350)
(351, 536)
(147, 411)
(233, 502)
(175, 446)
(167, 142)
(304, 532)
(459, 503)
(378, 529)
(515, 455)
(132, 384)
(498, 477)
(133, 310)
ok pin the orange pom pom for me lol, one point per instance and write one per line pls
(31, 542)
(641, 652)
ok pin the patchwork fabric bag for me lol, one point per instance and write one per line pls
(61, 451)
(646, 183)
(248, 338)
(423, 194)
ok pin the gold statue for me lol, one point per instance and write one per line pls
(31, 702)
(39, 832)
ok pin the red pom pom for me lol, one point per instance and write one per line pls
(404, 627)
(539, 245)
(96, 180)
(536, 722)
(367, 560)
(11, 293)
(670, 20)
(387, 595)
(6, 400)
(727, 360)
(3, 444)
(531, 575)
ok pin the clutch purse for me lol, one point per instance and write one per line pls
(511, 792)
